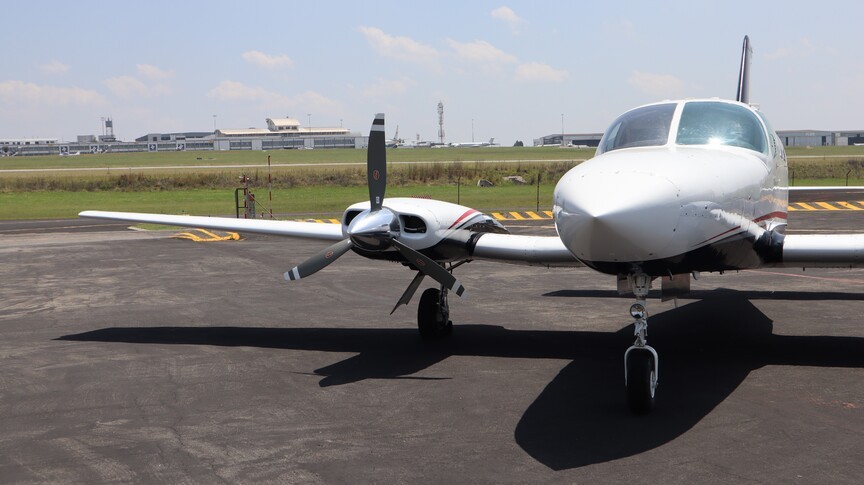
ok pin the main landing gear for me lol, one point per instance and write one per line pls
(433, 314)
(641, 362)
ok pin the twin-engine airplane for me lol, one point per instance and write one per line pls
(676, 188)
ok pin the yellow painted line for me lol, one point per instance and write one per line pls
(517, 216)
(211, 237)
(335, 221)
(497, 215)
(806, 206)
(548, 213)
(827, 206)
(187, 235)
(850, 206)
(205, 231)
(533, 215)
(792, 208)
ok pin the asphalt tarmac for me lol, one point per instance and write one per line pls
(129, 356)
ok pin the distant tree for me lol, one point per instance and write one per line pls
(518, 143)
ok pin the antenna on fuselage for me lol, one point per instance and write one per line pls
(743, 95)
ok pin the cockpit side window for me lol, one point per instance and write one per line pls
(711, 123)
(641, 127)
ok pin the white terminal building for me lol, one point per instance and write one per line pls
(286, 133)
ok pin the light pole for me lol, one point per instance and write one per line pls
(215, 140)
(562, 129)
(309, 116)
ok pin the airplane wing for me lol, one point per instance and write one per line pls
(546, 251)
(313, 230)
(823, 250)
(507, 248)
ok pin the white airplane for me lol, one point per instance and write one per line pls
(676, 188)
(395, 142)
(472, 144)
(68, 154)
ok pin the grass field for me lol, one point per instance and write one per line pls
(298, 202)
(237, 157)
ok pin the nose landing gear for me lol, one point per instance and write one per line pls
(433, 314)
(641, 362)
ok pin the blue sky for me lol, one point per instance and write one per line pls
(512, 67)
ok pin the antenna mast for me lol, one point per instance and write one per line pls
(440, 122)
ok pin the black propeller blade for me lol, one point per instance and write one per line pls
(376, 163)
(319, 261)
(430, 268)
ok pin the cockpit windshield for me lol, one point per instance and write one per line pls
(641, 127)
(714, 123)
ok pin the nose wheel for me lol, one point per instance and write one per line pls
(433, 314)
(641, 362)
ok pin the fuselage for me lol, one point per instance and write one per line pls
(675, 187)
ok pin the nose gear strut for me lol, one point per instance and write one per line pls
(641, 362)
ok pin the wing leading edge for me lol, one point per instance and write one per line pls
(531, 250)
(823, 250)
(312, 230)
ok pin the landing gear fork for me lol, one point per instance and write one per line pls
(641, 362)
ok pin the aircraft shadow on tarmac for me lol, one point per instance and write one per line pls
(707, 349)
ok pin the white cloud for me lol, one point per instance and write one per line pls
(16, 92)
(480, 52)
(267, 61)
(401, 48)
(803, 48)
(153, 72)
(54, 67)
(237, 91)
(130, 87)
(539, 72)
(508, 16)
(659, 85)
(388, 87)
(153, 84)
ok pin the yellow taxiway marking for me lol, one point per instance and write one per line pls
(209, 236)
(517, 216)
(533, 215)
(850, 206)
(806, 206)
(826, 205)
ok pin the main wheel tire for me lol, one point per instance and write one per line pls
(640, 381)
(431, 320)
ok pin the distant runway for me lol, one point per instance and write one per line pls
(130, 357)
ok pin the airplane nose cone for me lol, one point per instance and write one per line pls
(616, 217)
